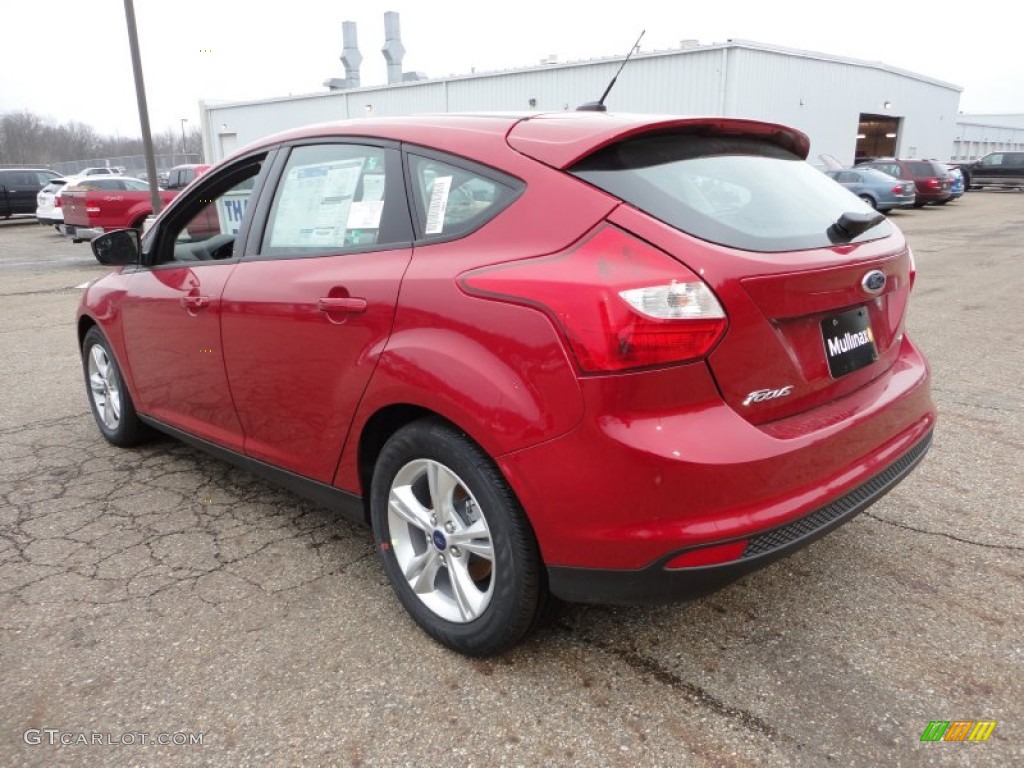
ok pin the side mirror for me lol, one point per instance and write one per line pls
(117, 248)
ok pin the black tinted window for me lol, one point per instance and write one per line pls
(741, 192)
(921, 168)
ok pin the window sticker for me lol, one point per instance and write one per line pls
(373, 186)
(438, 204)
(314, 206)
(365, 214)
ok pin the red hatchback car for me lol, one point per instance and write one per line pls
(602, 357)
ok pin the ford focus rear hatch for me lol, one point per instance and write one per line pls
(814, 283)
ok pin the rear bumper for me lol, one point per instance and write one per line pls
(658, 583)
(80, 233)
(660, 466)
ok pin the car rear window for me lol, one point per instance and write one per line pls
(736, 191)
(923, 168)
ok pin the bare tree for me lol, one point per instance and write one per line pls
(28, 139)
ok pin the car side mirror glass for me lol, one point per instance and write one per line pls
(118, 248)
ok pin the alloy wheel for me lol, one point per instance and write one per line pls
(441, 540)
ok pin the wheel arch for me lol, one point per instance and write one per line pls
(380, 427)
(85, 322)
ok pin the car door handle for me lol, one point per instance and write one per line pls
(341, 304)
(195, 302)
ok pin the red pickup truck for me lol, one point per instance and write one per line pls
(93, 206)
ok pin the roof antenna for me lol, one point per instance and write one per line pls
(598, 106)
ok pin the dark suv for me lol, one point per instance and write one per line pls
(931, 178)
(998, 169)
(19, 187)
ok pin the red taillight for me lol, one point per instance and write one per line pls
(56, 202)
(898, 189)
(913, 268)
(719, 553)
(621, 302)
(933, 183)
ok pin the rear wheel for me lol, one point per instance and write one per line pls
(870, 201)
(454, 541)
(109, 399)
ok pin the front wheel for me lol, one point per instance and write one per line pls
(454, 540)
(109, 399)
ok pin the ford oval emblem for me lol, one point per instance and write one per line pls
(873, 282)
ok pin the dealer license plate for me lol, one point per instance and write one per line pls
(849, 342)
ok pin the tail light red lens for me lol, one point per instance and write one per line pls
(621, 302)
(933, 183)
(56, 201)
(913, 268)
(714, 555)
(898, 189)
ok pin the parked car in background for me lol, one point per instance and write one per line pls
(876, 188)
(957, 186)
(95, 205)
(998, 169)
(19, 187)
(49, 203)
(99, 171)
(180, 176)
(930, 178)
(569, 353)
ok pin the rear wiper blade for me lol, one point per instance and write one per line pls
(849, 225)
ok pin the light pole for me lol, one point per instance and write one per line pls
(184, 150)
(140, 96)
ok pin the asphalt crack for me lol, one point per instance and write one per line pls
(697, 694)
(904, 526)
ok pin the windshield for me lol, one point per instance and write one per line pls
(741, 192)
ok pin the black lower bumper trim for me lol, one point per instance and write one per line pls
(656, 584)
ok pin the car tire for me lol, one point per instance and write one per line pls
(109, 399)
(941, 202)
(920, 205)
(869, 200)
(454, 540)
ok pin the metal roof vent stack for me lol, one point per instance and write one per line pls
(351, 58)
(393, 49)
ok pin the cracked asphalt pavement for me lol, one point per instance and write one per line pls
(159, 590)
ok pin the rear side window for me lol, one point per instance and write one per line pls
(453, 201)
(740, 192)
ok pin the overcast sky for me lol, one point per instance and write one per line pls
(69, 59)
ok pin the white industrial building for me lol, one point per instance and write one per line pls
(977, 135)
(848, 108)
